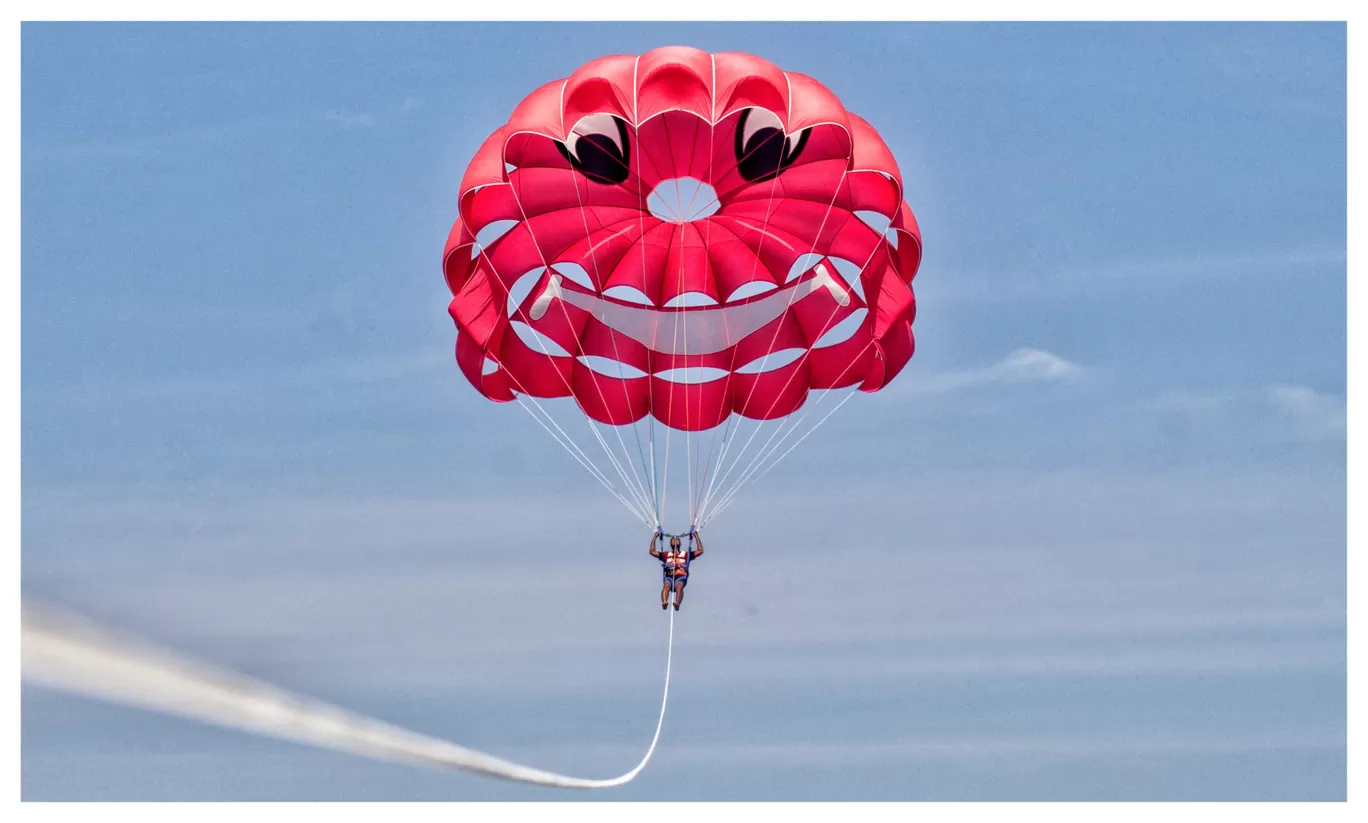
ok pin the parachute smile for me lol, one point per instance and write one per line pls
(701, 330)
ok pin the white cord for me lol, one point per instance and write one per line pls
(731, 497)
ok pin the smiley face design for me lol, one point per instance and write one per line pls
(682, 235)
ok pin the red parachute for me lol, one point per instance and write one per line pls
(682, 236)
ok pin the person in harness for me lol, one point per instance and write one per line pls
(674, 562)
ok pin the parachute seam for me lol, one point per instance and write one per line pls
(612, 335)
(606, 450)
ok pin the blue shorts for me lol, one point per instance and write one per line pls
(670, 577)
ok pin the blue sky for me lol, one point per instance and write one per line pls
(1089, 545)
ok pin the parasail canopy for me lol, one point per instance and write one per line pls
(683, 238)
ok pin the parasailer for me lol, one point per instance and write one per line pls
(674, 563)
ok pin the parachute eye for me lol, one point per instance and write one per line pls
(598, 147)
(762, 148)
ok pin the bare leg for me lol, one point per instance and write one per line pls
(679, 592)
(665, 594)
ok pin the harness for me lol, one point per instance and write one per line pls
(676, 563)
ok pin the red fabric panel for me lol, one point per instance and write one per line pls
(602, 85)
(744, 80)
(674, 77)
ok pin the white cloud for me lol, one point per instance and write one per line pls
(1320, 414)
(1022, 366)
(1034, 365)
(1278, 412)
(1273, 262)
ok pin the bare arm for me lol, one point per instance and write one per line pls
(698, 541)
(652, 549)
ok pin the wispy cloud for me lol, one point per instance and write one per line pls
(1071, 569)
(350, 119)
(1084, 744)
(246, 385)
(1023, 366)
(1216, 264)
(1316, 412)
(153, 146)
(1270, 261)
(1296, 411)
